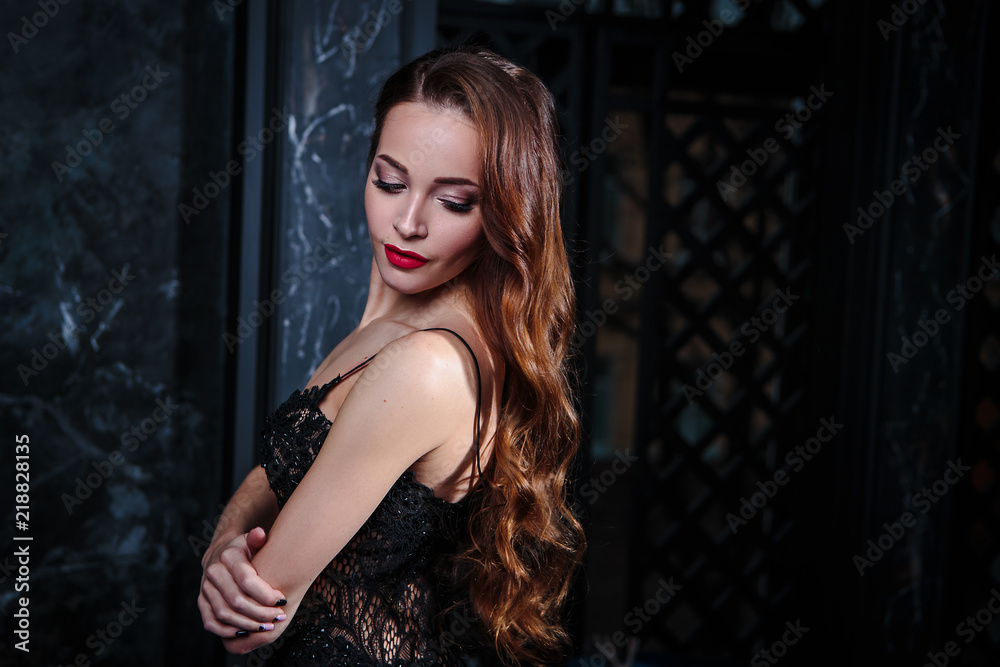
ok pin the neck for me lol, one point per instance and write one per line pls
(418, 310)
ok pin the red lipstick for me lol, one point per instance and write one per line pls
(404, 259)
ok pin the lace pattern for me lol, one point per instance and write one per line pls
(375, 604)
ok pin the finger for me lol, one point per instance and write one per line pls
(230, 617)
(255, 540)
(268, 600)
(229, 605)
(210, 622)
(247, 580)
(242, 592)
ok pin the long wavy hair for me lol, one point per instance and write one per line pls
(524, 542)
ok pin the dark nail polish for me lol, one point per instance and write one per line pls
(281, 603)
(242, 633)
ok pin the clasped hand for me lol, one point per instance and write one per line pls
(234, 600)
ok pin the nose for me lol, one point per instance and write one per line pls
(409, 223)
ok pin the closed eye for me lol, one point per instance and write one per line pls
(388, 187)
(456, 207)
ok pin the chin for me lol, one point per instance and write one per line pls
(404, 284)
(411, 285)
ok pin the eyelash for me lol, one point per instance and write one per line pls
(393, 188)
(455, 207)
(388, 187)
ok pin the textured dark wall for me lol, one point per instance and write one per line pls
(933, 153)
(336, 56)
(932, 149)
(920, 86)
(117, 382)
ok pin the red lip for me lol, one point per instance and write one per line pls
(403, 258)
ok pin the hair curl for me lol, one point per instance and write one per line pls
(525, 543)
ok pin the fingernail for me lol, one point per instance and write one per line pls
(280, 617)
(242, 633)
(281, 603)
(264, 627)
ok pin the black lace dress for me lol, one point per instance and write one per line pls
(378, 602)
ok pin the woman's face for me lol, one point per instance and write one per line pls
(422, 197)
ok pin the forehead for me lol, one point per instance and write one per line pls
(418, 135)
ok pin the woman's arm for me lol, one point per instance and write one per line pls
(232, 596)
(252, 505)
(393, 415)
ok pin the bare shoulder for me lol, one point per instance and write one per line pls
(433, 361)
(449, 388)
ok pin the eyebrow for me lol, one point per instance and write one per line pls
(445, 180)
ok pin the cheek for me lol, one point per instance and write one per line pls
(369, 203)
(467, 240)
(471, 254)
(374, 209)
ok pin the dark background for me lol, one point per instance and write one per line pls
(661, 103)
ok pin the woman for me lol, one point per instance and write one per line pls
(429, 503)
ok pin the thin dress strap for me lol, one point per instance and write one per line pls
(344, 376)
(479, 392)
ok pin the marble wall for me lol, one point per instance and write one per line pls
(927, 258)
(912, 277)
(111, 316)
(336, 56)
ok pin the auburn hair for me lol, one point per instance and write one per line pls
(524, 542)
